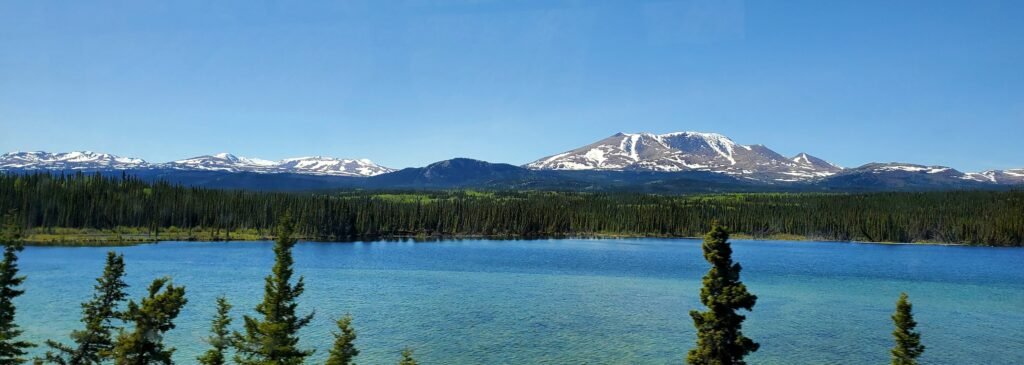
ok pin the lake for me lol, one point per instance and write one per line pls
(571, 301)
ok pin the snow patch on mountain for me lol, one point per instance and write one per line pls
(1010, 176)
(911, 168)
(721, 144)
(802, 159)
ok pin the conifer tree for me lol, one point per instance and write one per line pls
(219, 338)
(94, 343)
(908, 340)
(152, 318)
(11, 349)
(272, 337)
(407, 358)
(344, 349)
(720, 340)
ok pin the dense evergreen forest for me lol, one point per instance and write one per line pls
(91, 201)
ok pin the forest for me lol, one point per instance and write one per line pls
(45, 201)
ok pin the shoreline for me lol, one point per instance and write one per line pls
(65, 237)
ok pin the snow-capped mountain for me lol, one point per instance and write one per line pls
(879, 168)
(79, 160)
(223, 162)
(319, 165)
(686, 151)
(901, 176)
(898, 169)
(812, 162)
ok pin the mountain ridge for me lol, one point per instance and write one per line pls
(225, 162)
(688, 151)
(669, 162)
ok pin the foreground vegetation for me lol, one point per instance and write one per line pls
(123, 331)
(152, 211)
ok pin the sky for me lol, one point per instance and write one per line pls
(407, 83)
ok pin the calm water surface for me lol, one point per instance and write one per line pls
(572, 301)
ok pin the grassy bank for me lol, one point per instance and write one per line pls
(125, 236)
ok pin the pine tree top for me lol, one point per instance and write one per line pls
(220, 336)
(908, 345)
(720, 339)
(407, 357)
(152, 317)
(11, 349)
(272, 337)
(344, 350)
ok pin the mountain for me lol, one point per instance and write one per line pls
(224, 162)
(454, 173)
(468, 173)
(221, 162)
(330, 166)
(318, 165)
(688, 151)
(83, 160)
(1009, 177)
(813, 163)
(901, 176)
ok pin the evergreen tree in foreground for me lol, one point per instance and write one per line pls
(94, 343)
(908, 341)
(407, 358)
(720, 340)
(153, 317)
(219, 338)
(272, 339)
(344, 348)
(11, 350)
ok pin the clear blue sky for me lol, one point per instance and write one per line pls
(406, 83)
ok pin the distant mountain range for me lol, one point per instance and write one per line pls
(643, 162)
(224, 162)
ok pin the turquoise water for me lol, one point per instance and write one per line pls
(573, 301)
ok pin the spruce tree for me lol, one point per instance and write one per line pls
(11, 349)
(720, 340)
(94, 343)
(272, 337)
(219, 338)
(152, 318)
(407, 358)
(908, 340)
(344, 349)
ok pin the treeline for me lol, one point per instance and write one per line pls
(95, 202)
